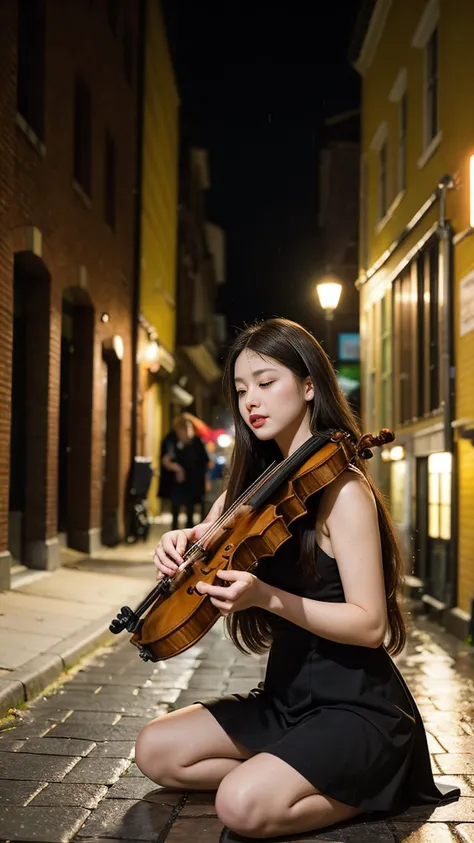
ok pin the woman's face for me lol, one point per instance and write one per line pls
(272, 402)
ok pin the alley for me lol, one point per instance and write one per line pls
(67, 771)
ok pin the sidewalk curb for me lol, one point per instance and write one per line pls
(29, 680)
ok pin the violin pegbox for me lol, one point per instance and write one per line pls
(368, 441)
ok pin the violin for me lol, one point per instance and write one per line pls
(254, 526)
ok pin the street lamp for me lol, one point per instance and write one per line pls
(329, 293)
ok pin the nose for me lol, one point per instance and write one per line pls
(250, 400)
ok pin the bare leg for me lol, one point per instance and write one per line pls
(246, 802)
(187, 749)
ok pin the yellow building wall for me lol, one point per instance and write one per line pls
(464, 360)
(456, 118)
(159, 182)
(158, 221)
(456, 122)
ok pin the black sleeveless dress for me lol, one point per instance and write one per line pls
(341, 715)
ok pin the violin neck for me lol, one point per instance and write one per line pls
(288, 466)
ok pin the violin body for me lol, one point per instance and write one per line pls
(179, 615)
(175, 624)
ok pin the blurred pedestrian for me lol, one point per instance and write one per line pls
(184, 463)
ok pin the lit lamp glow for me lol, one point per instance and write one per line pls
(397, 453)
(151, 356)
(329, 293)
(224, 440)
(117, 344)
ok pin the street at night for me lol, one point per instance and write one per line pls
(236, 421)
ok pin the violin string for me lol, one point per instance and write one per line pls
(214, 528)
(267, 475)
(264, 478)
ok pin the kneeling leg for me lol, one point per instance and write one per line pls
(246, 801)
(187, 749)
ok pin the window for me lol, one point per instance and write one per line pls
(383, 155)
(415, 345)
(83, 136)
(110, 180)
(398, 95)
(426, 38)
(405, 350)
(420, 335)
(363, 213)
(434, 327)
(431, 94)
(371, 357)
(386, 361)
(31, 49)
(402, 142)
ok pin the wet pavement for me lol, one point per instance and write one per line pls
(66, 762)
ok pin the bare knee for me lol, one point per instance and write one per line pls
(240, 808)
(154, 754)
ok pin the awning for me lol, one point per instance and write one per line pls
(204, 362)
(166, 359)
(207, 433)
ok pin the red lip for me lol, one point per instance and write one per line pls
(255, 417)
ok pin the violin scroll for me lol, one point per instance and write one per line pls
(369, 441)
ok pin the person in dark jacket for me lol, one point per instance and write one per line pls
(184, 463)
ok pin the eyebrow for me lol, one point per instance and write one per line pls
(259, 372)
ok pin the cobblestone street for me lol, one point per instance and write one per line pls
(66, 762)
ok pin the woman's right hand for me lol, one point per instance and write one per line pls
(168, 554)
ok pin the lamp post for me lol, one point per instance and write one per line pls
(329, 293)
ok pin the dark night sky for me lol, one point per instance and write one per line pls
(256, 81)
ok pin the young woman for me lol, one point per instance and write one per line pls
(333, 731)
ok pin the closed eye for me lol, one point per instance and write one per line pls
(241, 392)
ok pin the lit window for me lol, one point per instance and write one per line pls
(439, 495)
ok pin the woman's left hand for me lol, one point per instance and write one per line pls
(244, 590)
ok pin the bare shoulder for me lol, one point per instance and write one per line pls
(347, 508)
(349, 490)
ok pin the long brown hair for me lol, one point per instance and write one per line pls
(293, 346)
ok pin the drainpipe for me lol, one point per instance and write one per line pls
(137, 222)
(445, 285)
(447, 368)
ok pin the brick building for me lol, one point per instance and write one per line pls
(67, 178)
